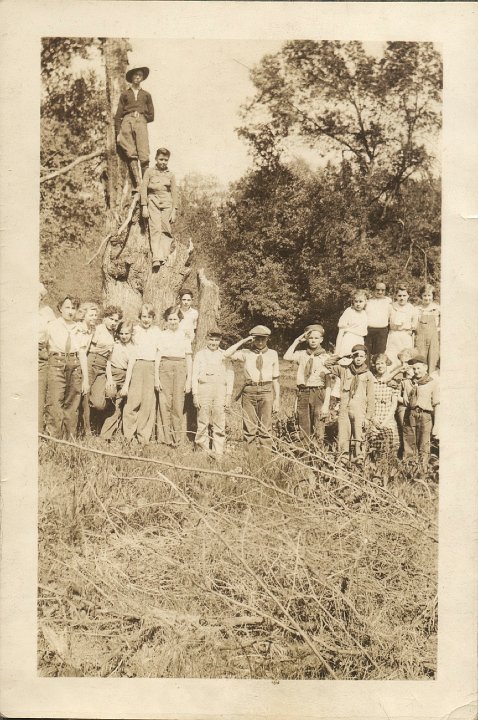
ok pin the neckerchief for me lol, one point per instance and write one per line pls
(309, 366)
(356, 371)
(413, 395)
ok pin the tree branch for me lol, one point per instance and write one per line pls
(70, 166)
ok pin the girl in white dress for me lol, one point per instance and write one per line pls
(352, 325)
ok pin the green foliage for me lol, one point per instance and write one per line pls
(296, 242)
(73, 113)
(291, 253)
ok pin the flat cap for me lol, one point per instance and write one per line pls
(260, 330)
(417, 359)
(359, 348)
(214, 334)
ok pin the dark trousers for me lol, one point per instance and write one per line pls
(114, 406)
(96, 396)
(64, 394)
(257, 413)
(42, 386)
(376, 340)
(309, 407)
(417, 430)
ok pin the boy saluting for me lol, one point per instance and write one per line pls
(313, 383)
(261, 392)
(135, 110)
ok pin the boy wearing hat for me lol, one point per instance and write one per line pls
(421, 398)
(212, 383)
(357, 401)
(261, 391)
(135, 110)
(313, 383)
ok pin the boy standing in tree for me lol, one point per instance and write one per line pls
(159, 200)
(135, 110)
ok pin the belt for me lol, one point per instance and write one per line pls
(307, 388)
(64, 355)
(134, 114)
(167, 357)
(260, 384)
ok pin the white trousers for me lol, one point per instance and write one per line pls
(211, 397)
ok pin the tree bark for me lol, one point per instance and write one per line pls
(209, 308)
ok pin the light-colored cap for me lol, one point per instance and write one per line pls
(260, 330)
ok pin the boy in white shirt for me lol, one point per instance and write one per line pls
(313, 383)
(378, 310)
(261, 391)
(212, 383)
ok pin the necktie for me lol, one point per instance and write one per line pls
(68, 344)
(260, 365)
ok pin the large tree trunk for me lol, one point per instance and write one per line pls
(210, 306)
(127, 277)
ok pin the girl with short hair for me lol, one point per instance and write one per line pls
(173, 373)
(140, 408)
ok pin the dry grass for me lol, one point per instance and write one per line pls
(288, 567)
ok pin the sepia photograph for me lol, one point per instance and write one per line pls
(239, 359)
(238, 471)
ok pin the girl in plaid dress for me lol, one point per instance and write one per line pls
(383, 431)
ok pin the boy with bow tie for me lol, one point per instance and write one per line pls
(261, 391)
(313, 383)
(421, 399)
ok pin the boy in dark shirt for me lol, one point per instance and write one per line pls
(135, 110)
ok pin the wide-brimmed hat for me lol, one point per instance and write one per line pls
(129, 73)
(260, 331)
(417, 359)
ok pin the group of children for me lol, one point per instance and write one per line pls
(135, 376)
(113, 368)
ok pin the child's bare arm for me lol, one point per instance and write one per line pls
(289, 353)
